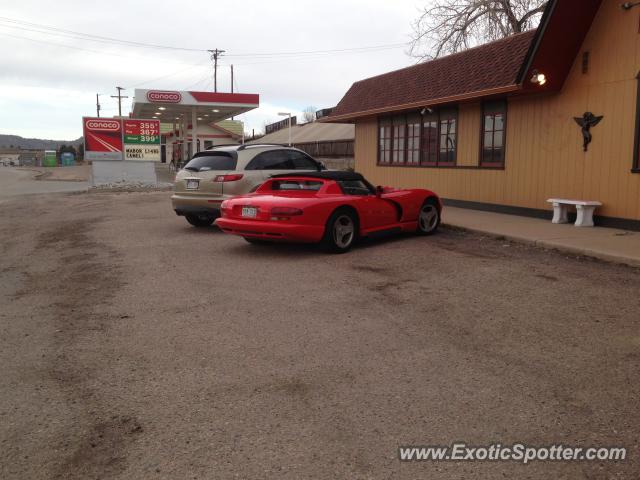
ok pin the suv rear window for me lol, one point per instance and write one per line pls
(301, 161)
(211, 161)
(271, 160)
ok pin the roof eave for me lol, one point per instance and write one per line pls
(423, 103)
(533, 48)
(558, 39)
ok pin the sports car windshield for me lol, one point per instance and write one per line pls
(356, 187)
(296, 185)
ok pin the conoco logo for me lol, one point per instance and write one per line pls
(109, 125)
(166, 97)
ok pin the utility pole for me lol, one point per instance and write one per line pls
(284, 114)
(119, 97)
(97, 105)
(232, 92)
(214, 56)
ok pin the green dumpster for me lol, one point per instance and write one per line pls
(50, 159)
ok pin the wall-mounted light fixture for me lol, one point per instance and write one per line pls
(629, 5)
(538, 78)
(426, 110)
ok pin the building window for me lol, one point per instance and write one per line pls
(399, 139)
(494, 116)
(429, 147)
(384, 139)
(413, 139)
(448, 139)
(429, 139)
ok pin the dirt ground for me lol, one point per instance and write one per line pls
(134, 346)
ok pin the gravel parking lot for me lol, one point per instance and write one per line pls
(134, 346)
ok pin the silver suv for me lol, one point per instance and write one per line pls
(219, 173)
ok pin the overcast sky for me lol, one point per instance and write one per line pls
(49, 81)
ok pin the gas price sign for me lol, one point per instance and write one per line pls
(141, 140)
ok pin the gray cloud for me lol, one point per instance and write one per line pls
(50, 77)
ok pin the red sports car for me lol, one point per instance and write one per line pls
(330, 207)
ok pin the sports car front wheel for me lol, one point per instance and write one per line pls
(340, 232)
(257, 241)
(428, 218)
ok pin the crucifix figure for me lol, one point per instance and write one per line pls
(587, 121)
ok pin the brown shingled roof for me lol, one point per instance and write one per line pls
(492, 67)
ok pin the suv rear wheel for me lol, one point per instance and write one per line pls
(199, 221)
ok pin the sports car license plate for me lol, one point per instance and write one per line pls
(250, 212)
(193, 184)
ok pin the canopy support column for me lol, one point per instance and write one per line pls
(194, 131)
(174, 137)
(185, 150)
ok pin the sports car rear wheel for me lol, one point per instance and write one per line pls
(428, 218)
(340, 232)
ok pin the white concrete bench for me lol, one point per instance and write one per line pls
(584, 209)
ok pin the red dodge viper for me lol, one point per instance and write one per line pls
(330, 207)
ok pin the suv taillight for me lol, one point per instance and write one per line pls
(228, 178)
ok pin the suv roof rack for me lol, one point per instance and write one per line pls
(221, 145)
(247, 145)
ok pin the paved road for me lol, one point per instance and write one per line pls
(133, 346)
(21, 182)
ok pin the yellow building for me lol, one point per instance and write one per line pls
(497, 127)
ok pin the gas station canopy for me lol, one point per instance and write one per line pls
(168, 106)
(184, 109)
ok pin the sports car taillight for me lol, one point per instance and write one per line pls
(285, 211)
(228, 178)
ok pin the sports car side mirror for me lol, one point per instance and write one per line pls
(379, 191)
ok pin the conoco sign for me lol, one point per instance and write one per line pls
(103, 125)
(157, 96)
(102, 138)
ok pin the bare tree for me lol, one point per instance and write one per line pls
(309, 114)
(449, 26)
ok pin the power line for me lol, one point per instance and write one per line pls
(267, 61)
(199, 82)
(169, 75)
(101, 52)
(311, 52)
(50, 30)
(312, 57)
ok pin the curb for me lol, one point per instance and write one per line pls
(38, 173)
(44, 175)
(606, 257)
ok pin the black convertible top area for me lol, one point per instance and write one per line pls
(327, 174)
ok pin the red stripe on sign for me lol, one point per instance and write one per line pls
(213, 97)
